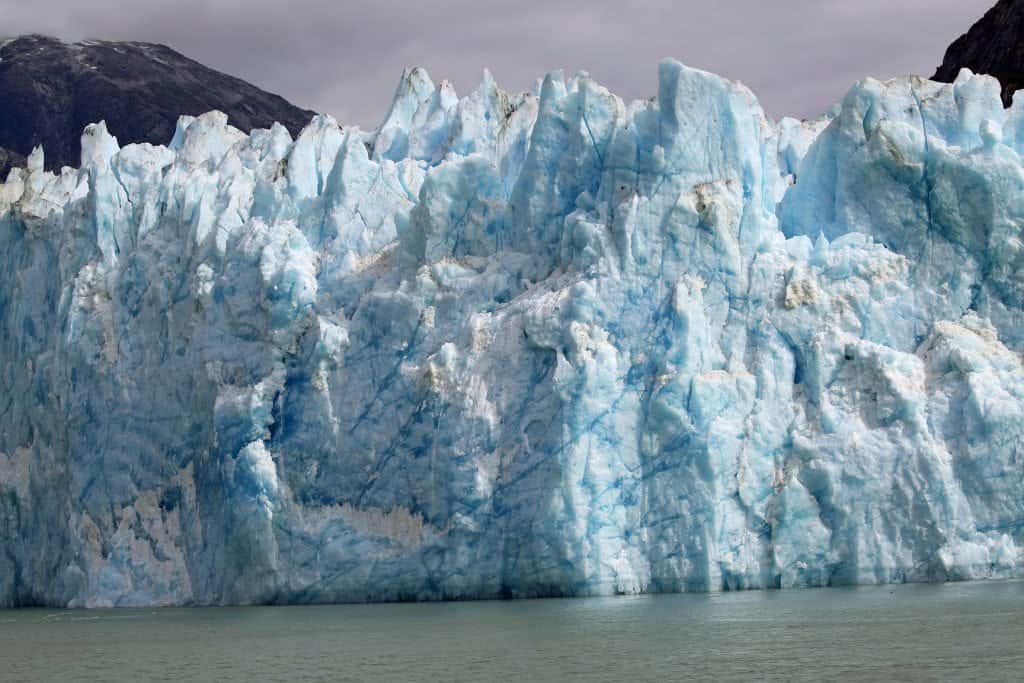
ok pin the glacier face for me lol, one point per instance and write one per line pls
(544, 344)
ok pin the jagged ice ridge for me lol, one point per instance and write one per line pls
(543, 344)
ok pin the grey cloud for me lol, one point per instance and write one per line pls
(799, 56)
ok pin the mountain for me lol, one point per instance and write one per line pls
(993, 46)
(541, 344)
(50, 90)
(8, 160)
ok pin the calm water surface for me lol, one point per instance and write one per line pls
(939, 632)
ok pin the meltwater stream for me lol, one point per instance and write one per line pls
(965, 631)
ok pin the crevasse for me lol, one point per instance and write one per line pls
(542, 344)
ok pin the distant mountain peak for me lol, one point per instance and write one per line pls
(52, 89)
(993, 46)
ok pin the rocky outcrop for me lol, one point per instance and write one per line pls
(993, 46)
(51, 90)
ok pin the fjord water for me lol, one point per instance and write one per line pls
(965, 631)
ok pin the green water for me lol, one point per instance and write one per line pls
(971, 631)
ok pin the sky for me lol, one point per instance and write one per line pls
(344, 57)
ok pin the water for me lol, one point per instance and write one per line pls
(923, 632)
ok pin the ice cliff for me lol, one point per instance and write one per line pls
(542, 344)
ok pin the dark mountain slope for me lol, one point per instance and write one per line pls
(50, 90)
(994, 46)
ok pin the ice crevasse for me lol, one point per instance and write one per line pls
(517, 345)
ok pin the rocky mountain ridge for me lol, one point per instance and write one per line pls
(52, 89)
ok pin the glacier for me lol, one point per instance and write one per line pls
(541, 344)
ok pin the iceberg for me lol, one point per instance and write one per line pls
(541, 344)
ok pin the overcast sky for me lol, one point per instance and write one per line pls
(344, 57)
